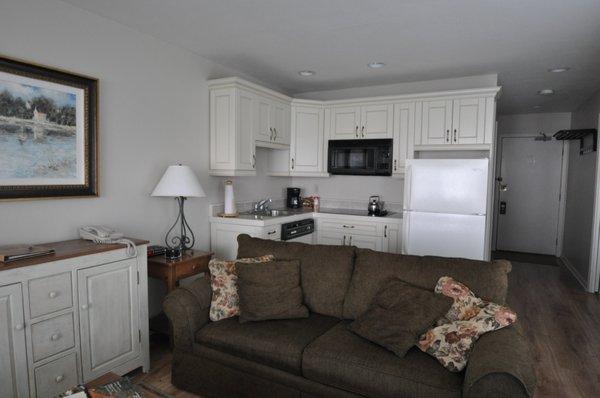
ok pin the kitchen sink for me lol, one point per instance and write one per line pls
(265, 213)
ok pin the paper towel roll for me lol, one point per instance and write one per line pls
(229, 208)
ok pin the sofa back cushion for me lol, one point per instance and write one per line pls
(325, 271)
(489, 280)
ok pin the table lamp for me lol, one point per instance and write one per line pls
(181, 183)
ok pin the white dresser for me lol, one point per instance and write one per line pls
(71, 317)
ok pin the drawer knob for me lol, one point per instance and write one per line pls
(52, 294)
(84, 306)
(195, 266)
(60, 378)
(55, 336)
(19, 326)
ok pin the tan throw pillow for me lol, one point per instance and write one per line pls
(469, 318)
(223, 281)
(399, 314)
(270, 291)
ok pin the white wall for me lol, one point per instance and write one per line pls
(153, 111)
(533, 123)
(581, 188)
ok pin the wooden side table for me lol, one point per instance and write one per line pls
(193, 262)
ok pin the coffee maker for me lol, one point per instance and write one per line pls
(293, 198)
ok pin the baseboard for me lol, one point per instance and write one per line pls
(568, 265)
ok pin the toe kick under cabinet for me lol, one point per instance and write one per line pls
(71, 317)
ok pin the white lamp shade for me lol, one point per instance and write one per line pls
(179, 180)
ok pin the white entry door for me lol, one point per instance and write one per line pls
(528, 210)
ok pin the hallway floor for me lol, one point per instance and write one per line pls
(558, 317)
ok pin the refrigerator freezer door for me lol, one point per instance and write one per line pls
(446, 185)
(445, 235)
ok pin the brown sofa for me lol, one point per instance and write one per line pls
(318, 356)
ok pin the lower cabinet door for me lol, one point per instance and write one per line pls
(366, 242)
(109, 324)
(331, 238)
(13, 357)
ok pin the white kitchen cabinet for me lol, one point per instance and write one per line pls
(365, 242)
(468, 121)
(232, 118)
(307, 149)
(436, 122)
(272, 232)
(264, 127)
(365, 234)
(362, 121)
(391, 238)
(13, 354)
(273, 121)
(223, 238)
(328, 237)
(109, 317)
(404, 134)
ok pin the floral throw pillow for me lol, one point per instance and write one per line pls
(225, 301)
(468, 318)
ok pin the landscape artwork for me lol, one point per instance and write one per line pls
(47, 132)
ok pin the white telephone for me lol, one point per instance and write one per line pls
(101, 234)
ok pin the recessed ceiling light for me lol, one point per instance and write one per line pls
(559, 70)
(546, 91)
(537, 107)
(307, 73)
(375, 65)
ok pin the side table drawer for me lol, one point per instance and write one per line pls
(191, 268)
(56, 377)
(52, 336)
(50, 294)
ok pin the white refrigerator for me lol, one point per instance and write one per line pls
(445, 205)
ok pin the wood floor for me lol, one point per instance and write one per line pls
(559, 318)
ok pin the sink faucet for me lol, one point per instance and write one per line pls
(263, 205)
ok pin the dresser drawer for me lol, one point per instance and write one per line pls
(52, 336)
(50, 294)
(56, 377)
(362, 228)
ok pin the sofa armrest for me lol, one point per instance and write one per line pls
(500, 365)
(187, 308)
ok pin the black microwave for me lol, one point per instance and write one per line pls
(360, 157)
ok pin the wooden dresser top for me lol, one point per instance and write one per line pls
(67, 249)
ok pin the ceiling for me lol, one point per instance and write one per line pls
(272, 40)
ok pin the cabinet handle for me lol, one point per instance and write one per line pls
(455, 135)
(385, 231)
(52, 294)
(348, 226)
(292, 163)
(253, 161)
(350, 242)
(275, 134)
(362, 132)
(271, 135)
(356, 131)
(55, 337)
(271, 233)
(60, 378)
(447, 135)
(344, 242)
(84, 306)
(395, 164)
(19, 326)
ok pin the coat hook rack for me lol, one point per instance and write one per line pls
(580, 134)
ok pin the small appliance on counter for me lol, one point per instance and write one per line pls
(294, 201)
(376, 207)
(371, 157)
(229, 208)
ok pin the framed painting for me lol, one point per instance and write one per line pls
(48, 132)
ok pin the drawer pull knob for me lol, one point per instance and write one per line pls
(55, 337)
(19, 326)
(52, 294)
(84, 307)
(60, 378)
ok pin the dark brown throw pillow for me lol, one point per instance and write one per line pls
(270, 291)
(399, 314)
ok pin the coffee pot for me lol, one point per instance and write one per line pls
(375, 205)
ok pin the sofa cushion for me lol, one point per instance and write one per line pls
(270, 291)
(399, 314)
(341, 359)
(276, 343)
(489, 280)
(325, 270)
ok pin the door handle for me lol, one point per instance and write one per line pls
(356, 131)
(455, 135)
(395, 164)
(292, 163)
(274, 134)
(447, 135)
(362, 132)
(502, 209)
(344, 241)
(385, 231)
(350, 243)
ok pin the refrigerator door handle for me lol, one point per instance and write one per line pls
(407, 185)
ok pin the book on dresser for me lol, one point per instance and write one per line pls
(55, 311)
(21, 252)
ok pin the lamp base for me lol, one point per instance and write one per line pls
(186, 238)
(173, 254)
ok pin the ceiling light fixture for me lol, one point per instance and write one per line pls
(546, 91)
(307, 73)
(537, 107)
(559, 69)
(375, 65)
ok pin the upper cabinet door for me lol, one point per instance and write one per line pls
(109, 323)
(280, 121)
(376, 121)
(245, 157)
(264, 127)
(13, 357)
(404, 133)
(307, 145)
(345, 123)
(436, 122)
(468, 121)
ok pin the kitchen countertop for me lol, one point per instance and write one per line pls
(300, 214)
